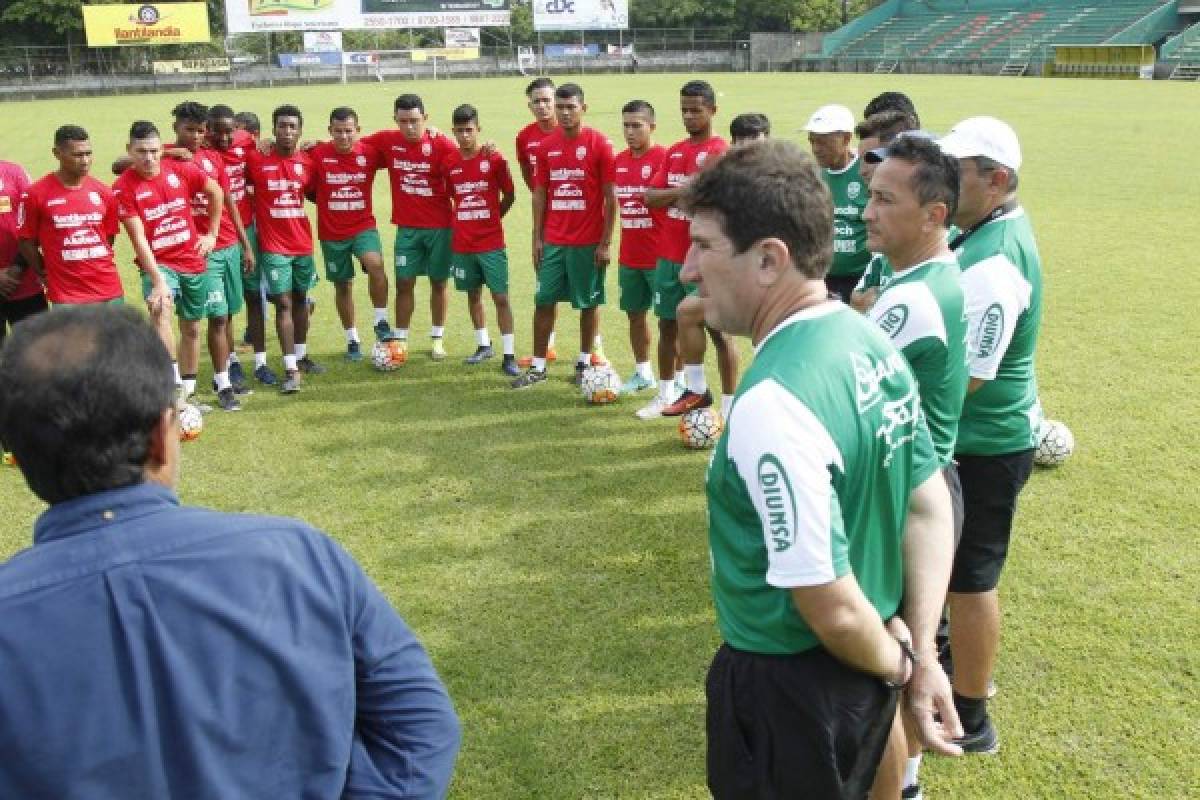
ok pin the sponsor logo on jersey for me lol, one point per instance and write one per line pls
(94, 197)
(426, 149)
(299, 168)
(580, 153)
(853, 190)
(892, 321)
(869, 376)
(56, 201)
(173, 181)
(780, 501)
(485, 167)
(646, 172)
(701, 157)
(899, 424)
(361, 160)
(208, 165)
(990, 330)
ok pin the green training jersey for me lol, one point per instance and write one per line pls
(849, 190)
(922, 311)
(811, 478)
(1002, 285)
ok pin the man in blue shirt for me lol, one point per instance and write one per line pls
(151, 650)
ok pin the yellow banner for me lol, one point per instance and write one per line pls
(146, 24)
(448, 53)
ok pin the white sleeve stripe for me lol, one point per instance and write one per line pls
(908, 312)
(995, 293)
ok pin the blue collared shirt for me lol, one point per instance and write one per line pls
(149, 650)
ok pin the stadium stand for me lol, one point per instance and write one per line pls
(1183, 53)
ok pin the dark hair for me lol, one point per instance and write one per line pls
(248, 121)
(985, 164)
(190, 111)
(142, 129)
(464, 114)
(343, 114)
(538, 83)
(886, 125)
(701, 89)
(70, 133)
(287, 110)
(83, 389)
(638, 107)
(220, 111)
(748, 126)
(892, 101)
(408, 102)
(773, 189)
(935, 179)
(569, 90)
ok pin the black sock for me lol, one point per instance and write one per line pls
(972, 711)
(189, 377)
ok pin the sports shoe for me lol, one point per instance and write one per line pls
(912, 792)
(291, 382)
(227, 400)
(309, 367)
(688, 401)
(353, 351)
(653, 409)
(509, 366)
(482, 353)
(525, 362)
(265, 375)
(438, 353)
(636, 383)
(383, 331)
(238, 388)
(237, 375)
(529, 377)
(577, 377)
(982, 741)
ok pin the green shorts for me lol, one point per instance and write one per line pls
(669, 291)
(569, 272)
(226, 265)
(339, 255)
(286, 273)
(253, 279)
(196, 296)
(637, 288)
(423, 251)
(472, 270)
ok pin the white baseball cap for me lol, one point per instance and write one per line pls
(983, 136)
(831, 119)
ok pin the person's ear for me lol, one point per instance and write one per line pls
(774, 261)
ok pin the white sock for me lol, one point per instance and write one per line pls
(437, 331)
(301, 349)
(680, 378)
(260, 360)
(910, 771)
(189, 386)
(401, 333)
(233, 359)
(482, 338)
(726, 404)
(380, 315)
(222, 379)
(351, 335)
(510, 343)
(539, 364)
(289, 363)
(550, 342)
(666, 390)
(584, 358)
(694, 375)
(645, 371)
(598, 343)
(175, 372)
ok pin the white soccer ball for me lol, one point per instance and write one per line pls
(388, 356)
(600, 385)
(700, 428)
(1055, 444)
(191, 422)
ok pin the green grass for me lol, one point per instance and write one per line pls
(553, 556)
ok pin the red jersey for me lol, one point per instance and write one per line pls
(280, 183)
(343, 185)
(13, 183)
(163, 203)
(529, 139)
(682, 161)
(639, 225)
(420, 197)
(73, 229)
(574, 171)
(235, 172)
(476, 184)
(212, 164)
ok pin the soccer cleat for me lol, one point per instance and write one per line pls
(653, 409)
(636, 383)
(438, 352)
(237, 375)
(509, 366)
(912, 792)
(309, 367)
(227, 400)
(577, 377)
(529, 377)
(982, 741)
(291, 382)
(238, 388)
(482, 353)
(383, 331)
(525, 362)
(265, 375)
(353, 352)
(688, 401)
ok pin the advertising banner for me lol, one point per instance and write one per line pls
(145, 24)
(191, 66)
(448, 53)
(322, 41)
(572, 50)
(260, 16)
(462, 37)
(580, 15)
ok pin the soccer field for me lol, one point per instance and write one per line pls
(553, 556)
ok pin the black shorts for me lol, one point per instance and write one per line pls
(798, 726)
(950, 473)
(990, 485)
(842, 285)
(13, 312)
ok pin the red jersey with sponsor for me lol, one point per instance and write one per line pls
(682, 161)
(343, 183)
(574, 171)
(420, 197)
(639, 225)
(164, 204)
(529, 139)
(476, 184)
(72, 228)
(235, 172)
(212, 164)
(280, 183)
(13, 183)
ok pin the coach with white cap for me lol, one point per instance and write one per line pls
(830, 130)
(1002, 288)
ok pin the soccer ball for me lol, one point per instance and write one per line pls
(700, 427)
(387, 356)
(1055, 444)
(599, 385)
(191, 423)
(10, 460)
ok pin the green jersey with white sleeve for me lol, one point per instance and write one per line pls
(849, 190)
